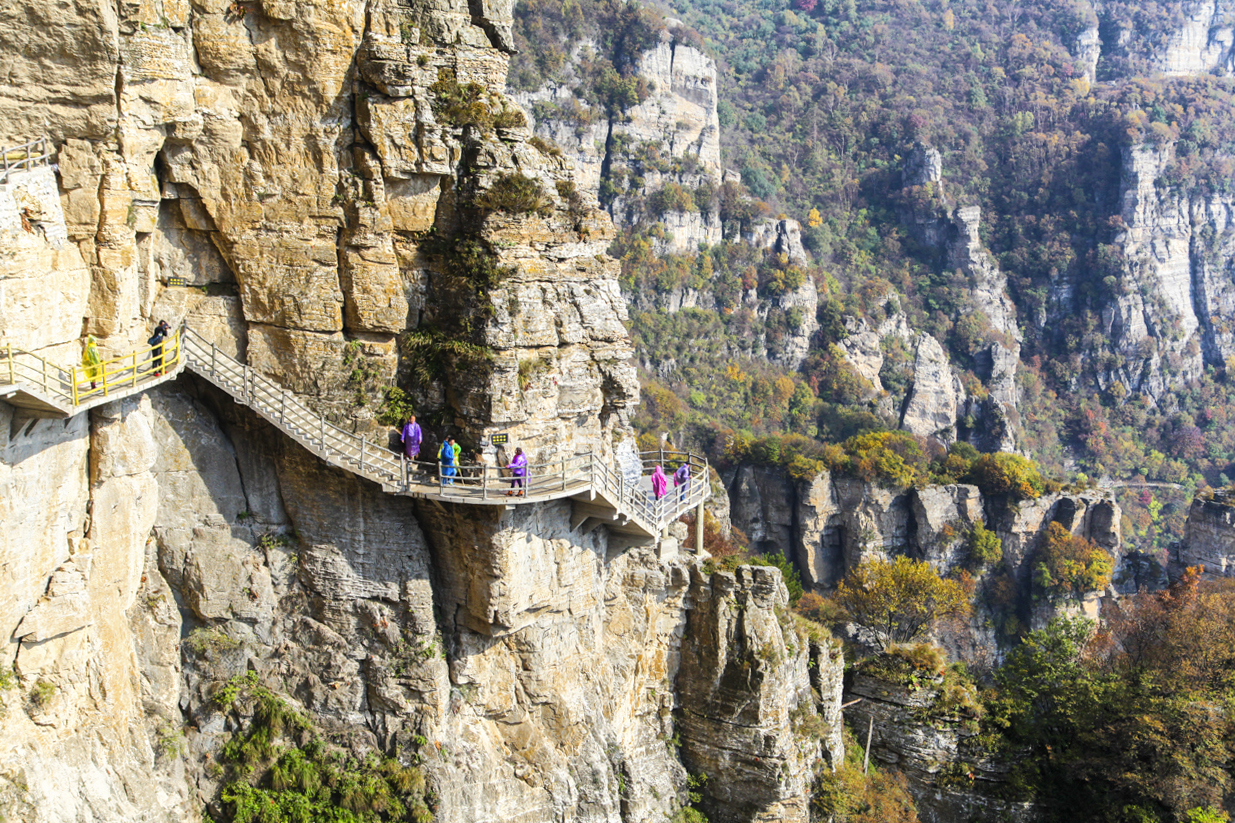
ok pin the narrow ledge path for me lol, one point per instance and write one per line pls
(600, 493)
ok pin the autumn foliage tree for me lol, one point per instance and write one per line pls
(1005, 473)
(1126, 723)
(1070, 564)
(899, 600)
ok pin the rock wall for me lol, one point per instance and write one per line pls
(744, 677)
(935, 748)
(1164, 322)
(1209, 538)
(283, 176)
(677, 121)
(830, 524)
(1202, 44)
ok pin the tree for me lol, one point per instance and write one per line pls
(1004, 473)
(899, 600)
(1071, 564)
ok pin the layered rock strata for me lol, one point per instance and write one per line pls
(286, 178)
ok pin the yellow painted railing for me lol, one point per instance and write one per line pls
(127, 371)
(81, 384)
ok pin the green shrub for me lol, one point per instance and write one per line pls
(396, 407)
(1070, 564)
(893, 458)
(280, 769)
(42, 692)
(985, 547)
(515, 194)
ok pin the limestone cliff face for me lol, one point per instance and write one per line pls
(744, 676)
(935, 747)
(678, 121)
(936, 403)
(1201, 44)
(1165, 321)
(1209, 539)
(830, 524)
(292, 165)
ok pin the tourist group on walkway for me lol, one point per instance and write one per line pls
(515, 470)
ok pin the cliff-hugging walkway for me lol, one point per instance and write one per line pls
(601, 493)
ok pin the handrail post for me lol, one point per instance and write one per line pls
(699, 527)
(403, 469)
(282, 405)
(484, 482)
(133, 357)
(362, 445)
(563, 474)
(12, 379)
(213, 350)
(72, 376)
(321, 426)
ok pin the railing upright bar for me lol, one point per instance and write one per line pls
(362, 444)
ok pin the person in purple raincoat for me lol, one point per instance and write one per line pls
(660, 483)
(518, 470)
(411, 438)
(681, 480)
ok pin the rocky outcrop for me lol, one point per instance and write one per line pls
(936, 403)
(1202, 44)
(1164, 319)
(935, 747)
(743, 678)
(676, 122)
(1209, 539)
(830, 524)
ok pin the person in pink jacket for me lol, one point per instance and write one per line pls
(660, 483)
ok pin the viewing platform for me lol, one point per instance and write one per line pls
(600, 493)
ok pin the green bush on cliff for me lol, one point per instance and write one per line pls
(985, 547)
(471, 104)
(1010, 474)
(515, 194)
(280, 769)
(848, 795)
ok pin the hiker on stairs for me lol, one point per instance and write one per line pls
(412, 437)
(156, 342)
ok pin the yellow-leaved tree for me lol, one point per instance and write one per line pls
(899, 600)
(1070, 564)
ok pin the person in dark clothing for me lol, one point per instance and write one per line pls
(156, 340)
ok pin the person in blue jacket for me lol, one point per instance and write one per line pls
(448, 456)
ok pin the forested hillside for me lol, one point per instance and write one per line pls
(1043, 114)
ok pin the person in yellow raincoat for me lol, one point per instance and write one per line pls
(91, 362)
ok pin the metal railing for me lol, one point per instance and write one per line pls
(25, 156)
(470, 481)
(77, 385)
(466, 480)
